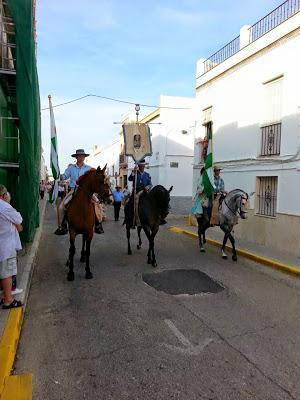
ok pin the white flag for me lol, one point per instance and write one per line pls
(53, 154)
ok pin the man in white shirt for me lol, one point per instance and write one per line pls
(10, 226)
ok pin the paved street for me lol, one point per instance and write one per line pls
(114, 337)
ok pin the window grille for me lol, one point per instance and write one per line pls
(270, 140)
(267, 196)
(174, 164)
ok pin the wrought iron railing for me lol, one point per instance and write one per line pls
(270, 140)
(222, 54)
(274, 18)
(267, 196)
(285, 11)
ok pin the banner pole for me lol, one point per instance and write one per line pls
(134, 197)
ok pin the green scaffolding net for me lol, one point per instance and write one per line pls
(28, 110)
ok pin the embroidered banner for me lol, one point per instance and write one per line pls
(137, 140)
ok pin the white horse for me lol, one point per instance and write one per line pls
(232, 207)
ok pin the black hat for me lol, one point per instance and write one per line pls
(80, 152)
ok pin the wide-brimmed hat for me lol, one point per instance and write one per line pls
(80, 152)
(142, 162)
(217, 168)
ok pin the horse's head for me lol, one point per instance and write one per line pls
(100, 184)
(241, 203)
(236, 202)
(161, 198)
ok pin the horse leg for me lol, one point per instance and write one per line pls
(148, 234)
(224, 255)
(71, 260)
(129, 252)
(200, 233)
(139, 235)
(83, 258)
(88, 274)
(231, 238)
(154, 232)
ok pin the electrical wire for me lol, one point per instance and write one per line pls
(116, 100)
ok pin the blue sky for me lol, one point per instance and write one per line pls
(130, 50)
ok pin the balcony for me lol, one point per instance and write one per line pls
(276, 17)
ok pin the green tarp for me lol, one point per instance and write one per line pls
(28, 110)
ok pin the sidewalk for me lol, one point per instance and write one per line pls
(284, 261)
(11, 320)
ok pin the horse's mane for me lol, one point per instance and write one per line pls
(86, 175)
(161, 197)
(234, 192)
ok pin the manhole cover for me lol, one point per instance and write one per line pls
(182, 281)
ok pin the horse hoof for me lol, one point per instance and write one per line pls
(149, 261)
(138, 247)
(234, 258)
(129, 253)
(88, 275)
(154, 264)
(202, 250)
(224, 257)
(71, 276)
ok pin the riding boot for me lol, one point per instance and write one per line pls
(61, 230)
(99, 228)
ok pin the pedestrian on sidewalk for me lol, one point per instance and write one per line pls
(10, 226)
(118, 197)
(14, 288)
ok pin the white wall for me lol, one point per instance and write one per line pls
(171, 144)
(237, 97)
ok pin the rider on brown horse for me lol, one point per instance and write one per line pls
(73, 172)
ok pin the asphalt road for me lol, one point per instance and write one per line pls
(114, 337)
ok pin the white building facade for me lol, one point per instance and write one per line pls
(248, 94)
(108, 155)
(172, 128)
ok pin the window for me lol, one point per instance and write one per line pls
(270, 140)
(267, 196)
(174, 164)
(272, 113)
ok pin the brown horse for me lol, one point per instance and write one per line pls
(80, 215)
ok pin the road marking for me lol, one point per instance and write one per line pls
(188, 348)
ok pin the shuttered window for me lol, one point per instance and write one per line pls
(272, 110)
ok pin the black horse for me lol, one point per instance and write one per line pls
(232, 207)
(153, 208)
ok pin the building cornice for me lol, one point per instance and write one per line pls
(151, 116)
(244, 56)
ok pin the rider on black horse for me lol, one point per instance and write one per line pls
(143, 185)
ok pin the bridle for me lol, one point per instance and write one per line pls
(239, 209)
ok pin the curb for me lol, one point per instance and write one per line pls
(18, 387)
(289, 269)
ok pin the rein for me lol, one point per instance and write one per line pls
(238, 209)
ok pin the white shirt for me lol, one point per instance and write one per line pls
(9, 236)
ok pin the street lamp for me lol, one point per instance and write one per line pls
(137, 110)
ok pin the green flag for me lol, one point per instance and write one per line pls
(208, 176)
